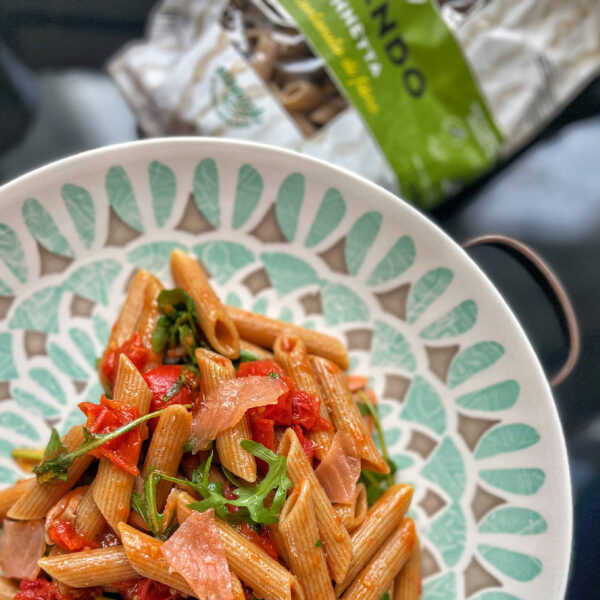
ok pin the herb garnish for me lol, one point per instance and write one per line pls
(250, 499)
(57, 460)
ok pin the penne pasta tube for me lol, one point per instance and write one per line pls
(290, 353)
(334, 536)
(264, 575)
(344, 412)
(263, 331)
(378, 575)
(279, 542)
(148, 317)
(7, 589)
(37, 499)
(304, 549)
(212, 317)
(89, 521)
(381, 520)
(89, 568)
(300, 95)
(9, 495)
(408, 582)
(127, 322)
(352, 515)
(147, 560)
(113, 486)
(166, 447)
(214, 369)
(258, 351)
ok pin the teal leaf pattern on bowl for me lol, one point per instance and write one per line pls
(34, 405)
(14, 422)
(248, 191)
(288, 204)
(499, 396)
(163, 187)
(122, 197)
(514, 520)
(398, 259)
(426, 291)
(516, 481)
(42, 227)
(342, 305)
(94, 280)
(8, 370)
(48, 382)
(521, 567)
(448, 532)
(81, 208)
(506, 438)
(472, 360)
(38, 312)
(442, 587)
(206, 191)
(446, 468)
(153, 257)
(390, 348)
(288, 273)
(460, 319)
(223, 259)
(65, 363)
(338, 270)
(360, 239)
(11, 252)
(330, 214)
(423, 405)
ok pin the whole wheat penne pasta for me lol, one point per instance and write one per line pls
(298, 528)
(89, 521)
(212, 317)
(258, 351)
(89, 568)
(7, 589)
(37, 499)
(127, 322)
(378, 575)
(352, 515)
(214, 369)
(300, 95)
(166, 447)
(264, 575)
(262, 330)
(381, 520)
(290, 353)
(9, 495)
(407, 585)
(334, 536)
(344, 412)
(148, 317)
(279, 542)
(145, 557)
(113, 486)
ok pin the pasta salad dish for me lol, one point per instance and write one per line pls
(230, 457)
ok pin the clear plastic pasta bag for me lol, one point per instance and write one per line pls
(417, 96)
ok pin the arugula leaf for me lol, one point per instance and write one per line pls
(375, 483)
(178, 323)
(57, 460)
(386, 596)
(318, 544)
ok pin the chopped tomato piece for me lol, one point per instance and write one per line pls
(144, 589)
(264, 367)
(228, 493)
(170, 384)
(39, 589)
(262, 539)
(305, 412)
(263, 431)
(107, 416)
(307, 445)
(135, 350)
(280, 413)
(109, 539)
(63, 533)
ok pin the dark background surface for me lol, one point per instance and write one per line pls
(55, 100)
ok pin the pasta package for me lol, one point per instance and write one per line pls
(421, 97)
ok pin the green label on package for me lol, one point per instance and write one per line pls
(402, 69)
